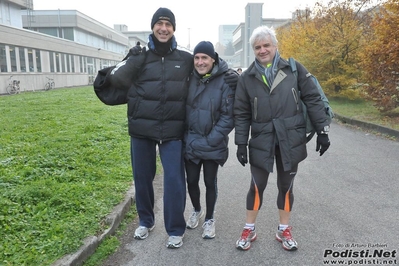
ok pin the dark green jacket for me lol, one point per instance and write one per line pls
(273, 116)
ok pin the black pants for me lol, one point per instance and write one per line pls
(193, 171)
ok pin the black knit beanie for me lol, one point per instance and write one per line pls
(205, 47)
(165, 14)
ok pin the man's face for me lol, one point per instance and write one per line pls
(203, 63)
(163, 30)
(264, 51)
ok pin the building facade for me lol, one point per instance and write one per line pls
(64, 45)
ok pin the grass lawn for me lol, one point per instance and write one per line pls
(363, 111)
(64, 165)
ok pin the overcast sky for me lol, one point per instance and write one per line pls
(195, 20)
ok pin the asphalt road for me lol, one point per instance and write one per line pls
(346, 208)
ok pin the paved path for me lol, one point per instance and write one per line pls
(345, 200)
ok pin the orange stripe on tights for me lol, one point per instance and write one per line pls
(256, 199)
(287, 206)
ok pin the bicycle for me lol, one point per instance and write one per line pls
(13, 86)
(49, 85)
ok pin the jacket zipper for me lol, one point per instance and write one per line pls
(296, 98)
(163, 84)
(212, 113)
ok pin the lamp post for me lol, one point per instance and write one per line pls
(189, 39)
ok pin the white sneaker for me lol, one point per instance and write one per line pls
(247, 236)
(175, 242)
(209, 229)
(142, 232)
(285, 237)
(192, 222)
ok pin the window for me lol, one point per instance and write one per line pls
(90, 69)
(51, 58)
(68, 62)
(72, 63)
(62, 63)
(30, 60)
(38, 61)
(68, 34)
(13, 59)
(57, 62)
(81, 58)
(22, 59)
(83, 67)
(3, 59)
(49, 31)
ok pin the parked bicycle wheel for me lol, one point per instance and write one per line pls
(47, 86)
(12, 89)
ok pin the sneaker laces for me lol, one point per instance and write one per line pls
(207, 224)
(287, 233)
(245, 234)
(194, 216)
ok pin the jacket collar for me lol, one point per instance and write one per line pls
(161, 48)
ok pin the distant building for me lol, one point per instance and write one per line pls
(225, 36)
(133, 36)
(244, 55)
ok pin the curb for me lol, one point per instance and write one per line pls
(368, 126)
(91, 243)
(115, 218)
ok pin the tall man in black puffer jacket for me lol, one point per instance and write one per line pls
(155, 103)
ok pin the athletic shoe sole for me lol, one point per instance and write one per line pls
(249, 246)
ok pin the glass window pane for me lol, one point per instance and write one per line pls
(52, 69)
(3, 60)
(30, 60)
(38, 62)
(72, 63)
(68, 34)
(13, 59)
(22, 59)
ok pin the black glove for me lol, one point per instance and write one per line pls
(136, 50)
(322, 143)
(231, 78)
(242, 155)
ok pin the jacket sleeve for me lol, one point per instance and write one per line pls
(112, 83)
(311, 97)
(242, 113)
(225, 124)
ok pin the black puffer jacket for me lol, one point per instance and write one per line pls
(157, 99)
(274, 115)
(209, 116)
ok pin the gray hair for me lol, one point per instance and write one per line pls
(261, 33)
